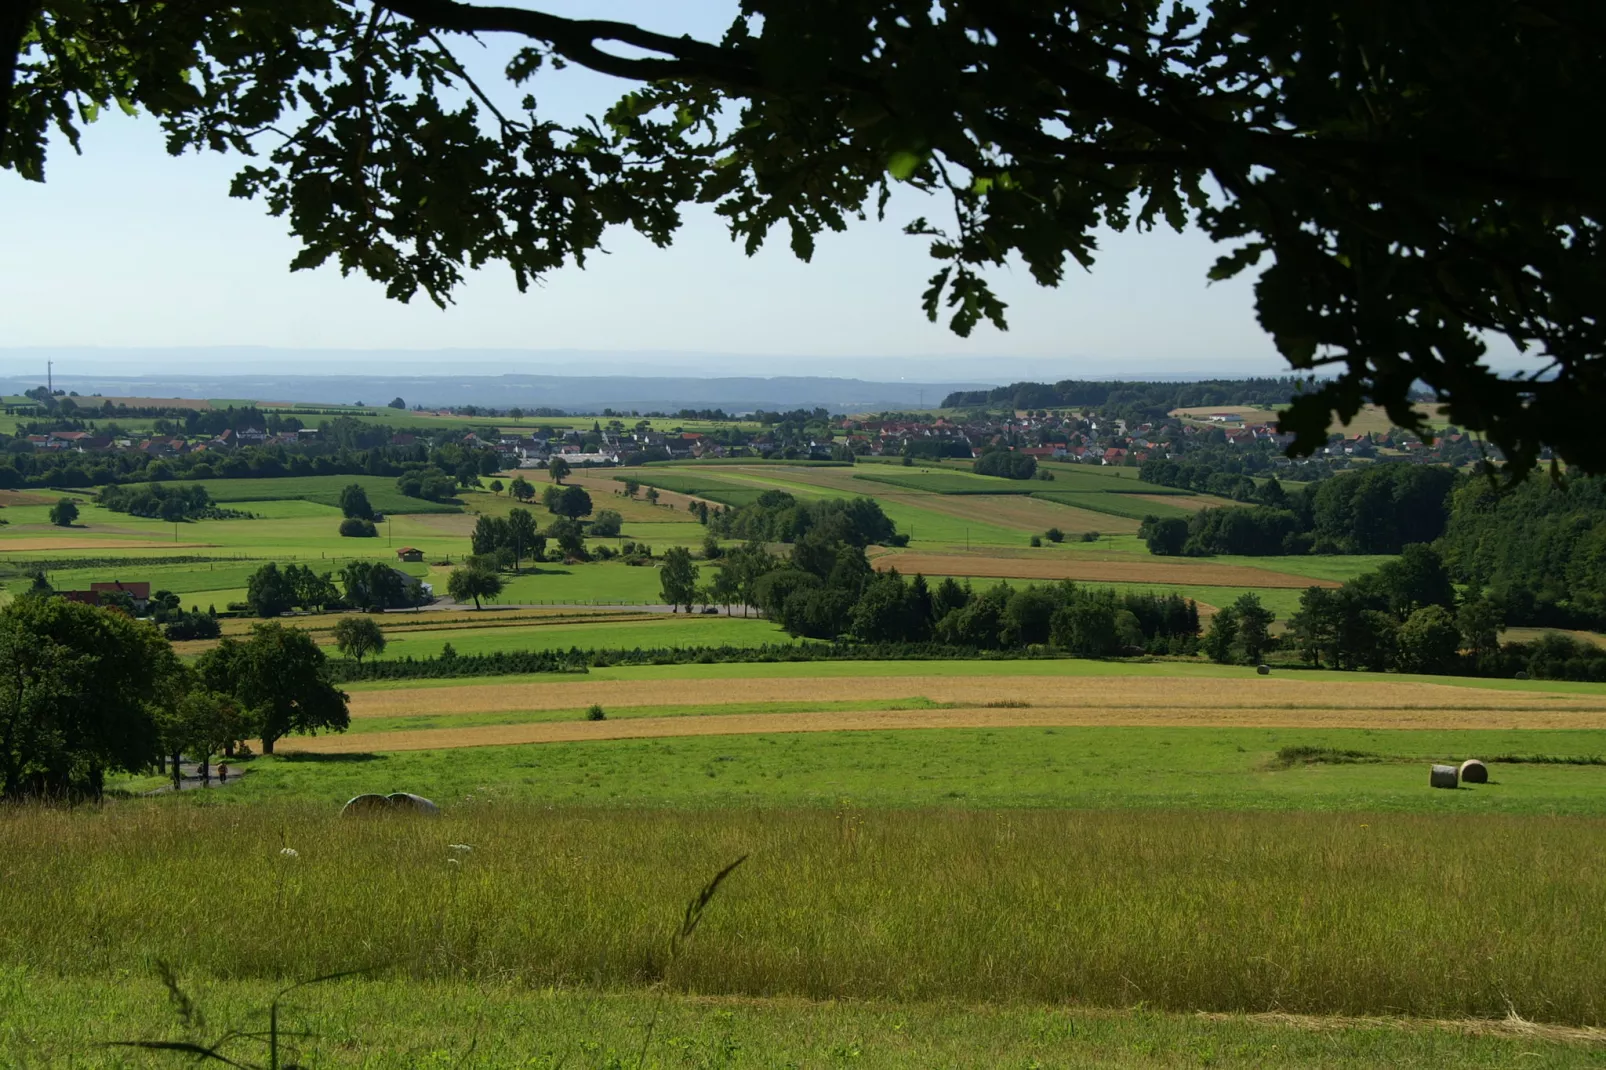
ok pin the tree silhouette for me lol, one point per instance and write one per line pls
(1409, 186)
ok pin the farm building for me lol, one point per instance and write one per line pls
(409, 553)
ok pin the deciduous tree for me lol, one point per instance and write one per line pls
(79, 689)
(677, 578)
(279, 673)
(357, 637)
(473, 582)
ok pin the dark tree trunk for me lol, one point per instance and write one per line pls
(178, 773)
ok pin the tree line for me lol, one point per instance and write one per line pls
(1153, 400)
(1379, 510)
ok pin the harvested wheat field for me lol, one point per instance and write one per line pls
(974, 717)
(26, 497)
(1104, 692)
(995, 702)
(997, 566)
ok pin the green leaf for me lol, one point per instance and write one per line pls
(903, 165)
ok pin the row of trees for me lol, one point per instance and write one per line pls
(272, 591)
(164, 501)
(1149, 400)
(828, 590)
(88, 691)
(1405, 615)
(1376, 511)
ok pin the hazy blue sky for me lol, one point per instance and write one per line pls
(126, 246)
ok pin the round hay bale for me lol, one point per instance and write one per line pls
(366, 804)
(407, 801)
(1443, 776)
(1263, 669)
(1474, 772)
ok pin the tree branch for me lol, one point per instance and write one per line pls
(576, 40)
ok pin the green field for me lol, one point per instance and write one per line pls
(399, 1025)
(1226, 913)
(1075, 768)
(322, 490)
(1114, 504)
(682, 481)
(947, 482)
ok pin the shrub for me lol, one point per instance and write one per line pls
(1037, 540)
(192, 626)
(595, 713)
(357, 528)
(1054, 535)
(1005, 464)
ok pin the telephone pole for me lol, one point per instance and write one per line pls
(50, 377)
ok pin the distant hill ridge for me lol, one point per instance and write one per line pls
(1157, 397)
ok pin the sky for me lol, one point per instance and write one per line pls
(130, 249)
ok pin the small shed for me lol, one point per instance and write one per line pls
(409, 553)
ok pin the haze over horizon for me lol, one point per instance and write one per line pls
(131, 249)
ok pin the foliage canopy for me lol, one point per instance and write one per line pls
(1411, 184)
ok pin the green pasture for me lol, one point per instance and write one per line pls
(282, 531)
(1123, 505)
(1225, 912)
(387, 1024)
(702, 486)
(657, 630)
(941, 482)
(324, 490)
(1340, 568)
(1076, 768)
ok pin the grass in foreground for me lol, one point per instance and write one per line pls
(380, 1025)
(1301, 913)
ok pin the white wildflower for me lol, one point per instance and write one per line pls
(289, 852)
(460, 848)
(454, 862)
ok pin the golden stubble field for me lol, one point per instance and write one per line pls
(982, 702)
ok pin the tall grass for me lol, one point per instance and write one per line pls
(1436, 917)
